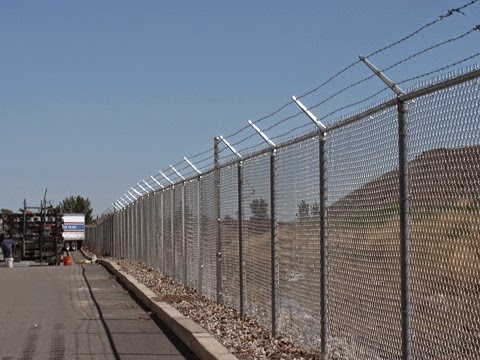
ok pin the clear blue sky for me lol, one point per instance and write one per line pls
(98, 95)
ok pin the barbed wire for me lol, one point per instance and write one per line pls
(448, 41)
(292, 131)
(411, 57)
(284, 120)
(351, 86)
(459, 10)
(405, 38)
(251, 148)
(417, 77)
(356, 103)
(193, 157)
(416, 32)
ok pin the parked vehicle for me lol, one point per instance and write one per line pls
(73, 231)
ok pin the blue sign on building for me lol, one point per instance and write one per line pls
(73, 227)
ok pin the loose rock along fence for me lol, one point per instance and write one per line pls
(341, 238)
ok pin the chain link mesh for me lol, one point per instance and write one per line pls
(207, 236)
(444, 178)
(192, 191)
(229, 235)
(257, 238)
(145, 235)
(159, 224)
(169, 256)
(298, 230)
(363, 238)
(135, 237)
(178, 226)
(179, 240)
(152, 240)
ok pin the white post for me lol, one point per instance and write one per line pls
(166, 177)
(232, 149)
(176, 172)
(192, 166)
(151, 188)
(158, 182)
(261, 133)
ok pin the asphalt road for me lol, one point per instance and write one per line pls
(76, 312)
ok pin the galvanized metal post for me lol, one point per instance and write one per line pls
(323, 247)
(274, 243)
(172, 231)
(240, 235)
(404, 230)
(184, 235)
(239, 220)
(162, 234)
(199, 236)
(273, 232)
(404, 205)
(216, 159)
(323, 229)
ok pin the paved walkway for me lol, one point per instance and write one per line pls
(76, 312)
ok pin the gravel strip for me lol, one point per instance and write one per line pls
(242, 336)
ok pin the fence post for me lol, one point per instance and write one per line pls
(199, 173)
(239, 220)
(273, 233)
(216, 158)
(323, 247)
(404, 230)
(274, 243)
(172, 232)
(162, 233)
(403, 199)
(184, 234)
(199, 235)
(323, 228)
(240, 233)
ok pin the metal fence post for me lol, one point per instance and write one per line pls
(404, 230)
(184, 234)
(199, 236)
(323, 247)
(172, 232)
(240, 234)
(273, 232)
(162, 234)
(274, 243)
(323, 227)
(403, 199)
(216, 158)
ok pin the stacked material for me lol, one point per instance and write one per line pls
(37, 234)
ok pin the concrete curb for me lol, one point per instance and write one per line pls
(196, 338)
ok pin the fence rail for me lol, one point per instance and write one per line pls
(363, 238)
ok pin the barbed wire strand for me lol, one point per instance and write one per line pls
(294, 130)
(356, 103)
(353, 104)
(345, 69)
(283, 121)
(405, 38)
(417, 77)
(376, 52)
(416, 32)
(457, 38)
(408, 58)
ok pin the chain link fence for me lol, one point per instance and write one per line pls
(361, 242)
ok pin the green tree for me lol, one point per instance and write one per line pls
(259, 208)
(303, 210)
(6, 211)
(77, 205)
(315, 209)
